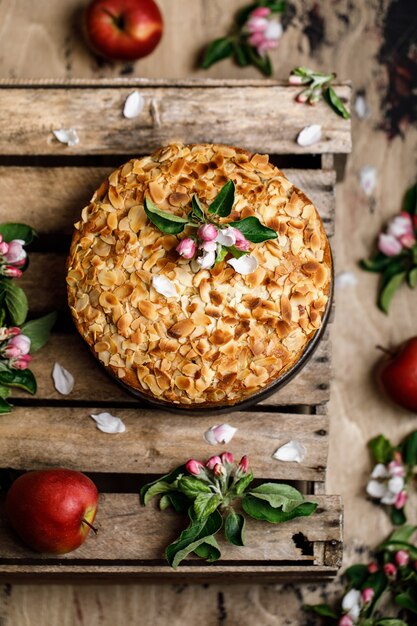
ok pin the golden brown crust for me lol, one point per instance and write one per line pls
(225, 336)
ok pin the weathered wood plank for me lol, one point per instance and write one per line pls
(156, 441)
(259, 118)
(51, 198)
(94, 385)
(127, 537)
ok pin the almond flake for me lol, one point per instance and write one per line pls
(309, 135)
(108, 423)
(63, 380)
(133, 105)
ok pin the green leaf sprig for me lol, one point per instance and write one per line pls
(241, 45)
(18, 338)
(393, 473)
(317, 85)
(216, 495)
(396, 258)
(391, 576)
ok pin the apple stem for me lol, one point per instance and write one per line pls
(385, 350)
(93, 528)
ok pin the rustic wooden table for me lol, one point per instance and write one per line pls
(41, 40)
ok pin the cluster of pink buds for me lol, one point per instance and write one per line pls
(218, 465)
(399, 236)
(15, 347)
(387, 483)
(264, 32)
(207, 241)
(12, 257)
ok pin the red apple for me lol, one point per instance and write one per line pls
(398, 374)
(123, 30)
(52, 510)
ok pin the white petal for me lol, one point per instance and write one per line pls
(368, 179)
(293, 451)
(345, 279)
(63, 380)
(309, 135)
(389, 498)
(361, 107)
(246, 264)
(222, 433)
(67, 135)
(164, 286)
(108, 423)
(379, 471)
(274, 30)
(351, 600)
(133, 105)
(206, 261)
(226, 237)
(396, 484)
(376, 489)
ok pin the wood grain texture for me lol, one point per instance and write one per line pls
(127, 537)
(256, 118)
(51, 198)
(155, 441)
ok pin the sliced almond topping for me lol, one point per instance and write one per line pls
(181, 329)
(286, 309)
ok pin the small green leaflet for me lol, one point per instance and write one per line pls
(234, 528)
(168, 478)
(19, 378)
(278, 496)
(397, 516)
(253, 230)
(324, 610)
(262, 510)
(409, 449)
(208, 550)
(389, 288)
(197, 211)
(192, 487)
(205, 504)
(39, 330)
(197, 533)
(262, 63)
(16, 302)
(381, 448)
(377, 264)
(17, 231)
(166, 222)
(217, 50)
(243, 483)
(5, 407)
(410, 200)
(223, 202)
(335, 102)
(356, 575)
(412, 277)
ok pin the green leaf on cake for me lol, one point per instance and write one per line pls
(223, 202)
(254, 230)
(166, 222)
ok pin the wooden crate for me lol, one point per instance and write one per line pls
(46, 184)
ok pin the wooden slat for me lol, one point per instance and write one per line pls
(154, 441)
(94, 385)
(127, 537)
(50, 199)
(260, 118)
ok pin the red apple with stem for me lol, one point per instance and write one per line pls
(123, 30)
(398, 374)
(52, 510)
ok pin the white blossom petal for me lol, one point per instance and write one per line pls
(164, 286)
(368, 179)
(206, 260)
(293, 451)
(351, 603)
(273, 30)
(389, 498)
(361, 106)
(345, 279)
(376, 489)
(133, 105)
(221, 433)
(309, 135)
(108, 423)
(396, 484)
(246, 264)
(68, 136)
(226, 237)
(379, 471)
(63, 380)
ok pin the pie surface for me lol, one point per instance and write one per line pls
(224, 336)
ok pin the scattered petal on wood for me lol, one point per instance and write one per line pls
(63, 380)
(164, 286)
(221, 433)
(68, 136)
(244, 265)
(345, 279)
(309, 135)
(293, 451)
(108, 423)
(368, 179)
(133, 105)
(361, 106)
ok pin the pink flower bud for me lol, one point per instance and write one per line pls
(4, 248)
(11, 352)
(12, 272)
(389, 245)
(21, 363)
(241, 242)
(227, 457)
(16, 252)
(367, 595)
(218, 470)
(209, 246)
(207, 232)
(186, 248)
(401, 500)
(303, 96)
(213, 461)
(402, 558)
(396, 468)
(295, 80)
(243, 465)
(194, 467)
(390, 570)
(256, 39)
(372, 567)
(21, 342)
(345, 620)
(4, 333)
(260, 12)
(408, 240)
(14, 330)
(400, 225)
